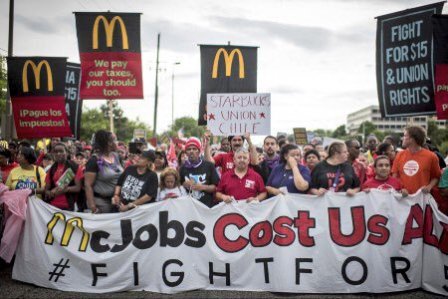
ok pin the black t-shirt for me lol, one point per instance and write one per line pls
(204, 174)
(324, 176)
(134, 185)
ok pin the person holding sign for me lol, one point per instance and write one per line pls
(63, 180)
(289, 176)
(334, 173)
(226, 160)
(241, 182)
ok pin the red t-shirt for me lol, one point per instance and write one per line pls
(250, 185)
(60, 201)
(416, 170)
(6, 170)
(390, 183)
(225, 161)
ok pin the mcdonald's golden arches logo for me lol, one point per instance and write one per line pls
(70, 225)
(228, 59)
(36, 72)
(109, 28)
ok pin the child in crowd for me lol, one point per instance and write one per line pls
(382, 179)
(170, 186)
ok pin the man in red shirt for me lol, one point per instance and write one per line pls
(241, 182)
(416, 167)
(226, 160)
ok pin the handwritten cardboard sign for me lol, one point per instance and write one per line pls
(239, 113)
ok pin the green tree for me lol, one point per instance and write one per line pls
(92, 120)
(438, 136)
(96, 119)
(323, 133)
(340, 132)
(366, 128)
(189, 125)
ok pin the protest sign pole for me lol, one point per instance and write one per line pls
(111, 114)
(7, 121)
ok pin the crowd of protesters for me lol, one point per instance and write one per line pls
(107, 176)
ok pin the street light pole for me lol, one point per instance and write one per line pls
(156, 95)
(172, 95)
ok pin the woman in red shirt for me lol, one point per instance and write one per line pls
(63, 180)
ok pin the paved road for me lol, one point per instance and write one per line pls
(10, 288)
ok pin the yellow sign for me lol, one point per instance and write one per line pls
(68, 231)
(36, 71)
(228, 59)
(109, 28)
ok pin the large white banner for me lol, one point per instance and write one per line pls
(239, 113)
(375, 242)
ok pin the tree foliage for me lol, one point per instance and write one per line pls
(189, 125)
(95, 119)
(340, 132)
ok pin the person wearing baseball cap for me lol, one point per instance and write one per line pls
(138, 184)
(197, 175)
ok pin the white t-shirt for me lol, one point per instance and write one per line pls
(179, 191)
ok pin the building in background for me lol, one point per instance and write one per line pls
(391, 124)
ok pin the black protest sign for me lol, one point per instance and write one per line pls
(226, 69)
(73, 104)
(404, 61)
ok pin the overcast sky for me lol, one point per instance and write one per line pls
(316, 58)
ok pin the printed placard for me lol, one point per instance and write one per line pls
(239, 113)
(300, 136)
(405, 62)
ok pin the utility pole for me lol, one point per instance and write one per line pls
(156, 95)
(7, 120)
(111, 114)
(172, 95)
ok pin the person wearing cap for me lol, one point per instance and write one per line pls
(225, 160)
(137, 185)
(197, 175)
(242, 182)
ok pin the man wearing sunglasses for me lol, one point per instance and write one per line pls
(353, 148)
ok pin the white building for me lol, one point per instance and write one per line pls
(390, 124)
